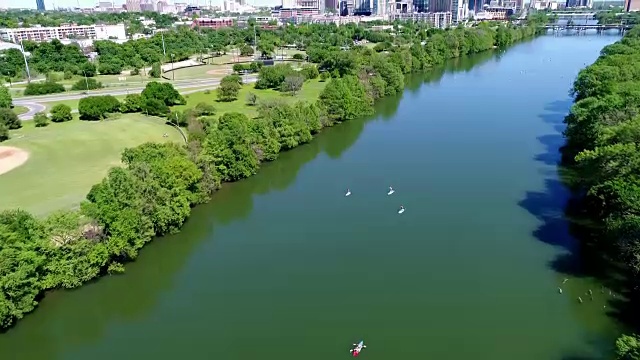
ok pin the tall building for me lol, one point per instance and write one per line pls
(133, 5)
(420, 6)
(632, 5)
(437, 6)
(40, 5)
(362, 7)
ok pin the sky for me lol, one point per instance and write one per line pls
(49, 4)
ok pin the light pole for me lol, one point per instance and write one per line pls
(173, 73)
(26, 64)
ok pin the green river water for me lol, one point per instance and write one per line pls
(284, 266)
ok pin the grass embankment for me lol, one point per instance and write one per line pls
(66, 159)
(310, 92)
(19, 110)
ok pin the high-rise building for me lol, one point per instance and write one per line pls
(420, 6)
(437, 6)
(40, 5)
(133, 5)
(362, 7)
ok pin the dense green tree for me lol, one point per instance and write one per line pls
(97, 107)
(5, 98)
(229, 88)
(292, 83)
(163, 92)
(628, 348)
(9, 119)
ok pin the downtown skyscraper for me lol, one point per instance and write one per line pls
(40, 5)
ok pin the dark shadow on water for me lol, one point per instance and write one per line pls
(562, 225)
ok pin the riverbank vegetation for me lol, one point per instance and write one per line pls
(603, 155)
(153, 192)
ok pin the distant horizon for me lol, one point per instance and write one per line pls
(49, 4)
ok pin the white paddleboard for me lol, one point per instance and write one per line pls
(347, 194)
(400, 211)
(391, 192)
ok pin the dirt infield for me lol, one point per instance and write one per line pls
(11, 158)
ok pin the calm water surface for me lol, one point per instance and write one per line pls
(283, 266)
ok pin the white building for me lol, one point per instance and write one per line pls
(65, 31)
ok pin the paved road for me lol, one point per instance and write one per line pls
(35, 103)
(33, 107)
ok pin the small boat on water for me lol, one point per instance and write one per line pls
(358, 348)
(401, 209)
(391, 191)
(348, 193)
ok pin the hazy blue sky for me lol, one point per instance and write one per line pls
(89, 3)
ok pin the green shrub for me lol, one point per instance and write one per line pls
(97, 107)
(40, 119)
(61, 113)
(87, 84)
(42, 88)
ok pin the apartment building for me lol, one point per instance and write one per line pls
(64, 31)
(212, 23)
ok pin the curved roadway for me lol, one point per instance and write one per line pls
(35, 103)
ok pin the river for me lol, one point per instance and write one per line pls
(284, 266)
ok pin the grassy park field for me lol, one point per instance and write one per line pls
(66, 159)
(310, 92)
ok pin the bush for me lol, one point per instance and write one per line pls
(246, 50)
(61, 113)
(255, 66)
(310, 72)
(9, 119)
(298, 56)
(40, 119)
(68, 74)
(5, 97)
(42, 88)
(132, 103)
(135, 72)
(4, 132)
(325, 76)
(155, 71)
(252, 99)
(239, 68)
(97, 107)
(87, 84)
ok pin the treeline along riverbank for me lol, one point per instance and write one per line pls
(603, 156)
(153, 193)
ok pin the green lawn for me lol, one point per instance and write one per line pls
(201, 72)
(19, 110)
(67, 159)
(310, 92)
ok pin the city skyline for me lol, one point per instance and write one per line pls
(49, 4)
